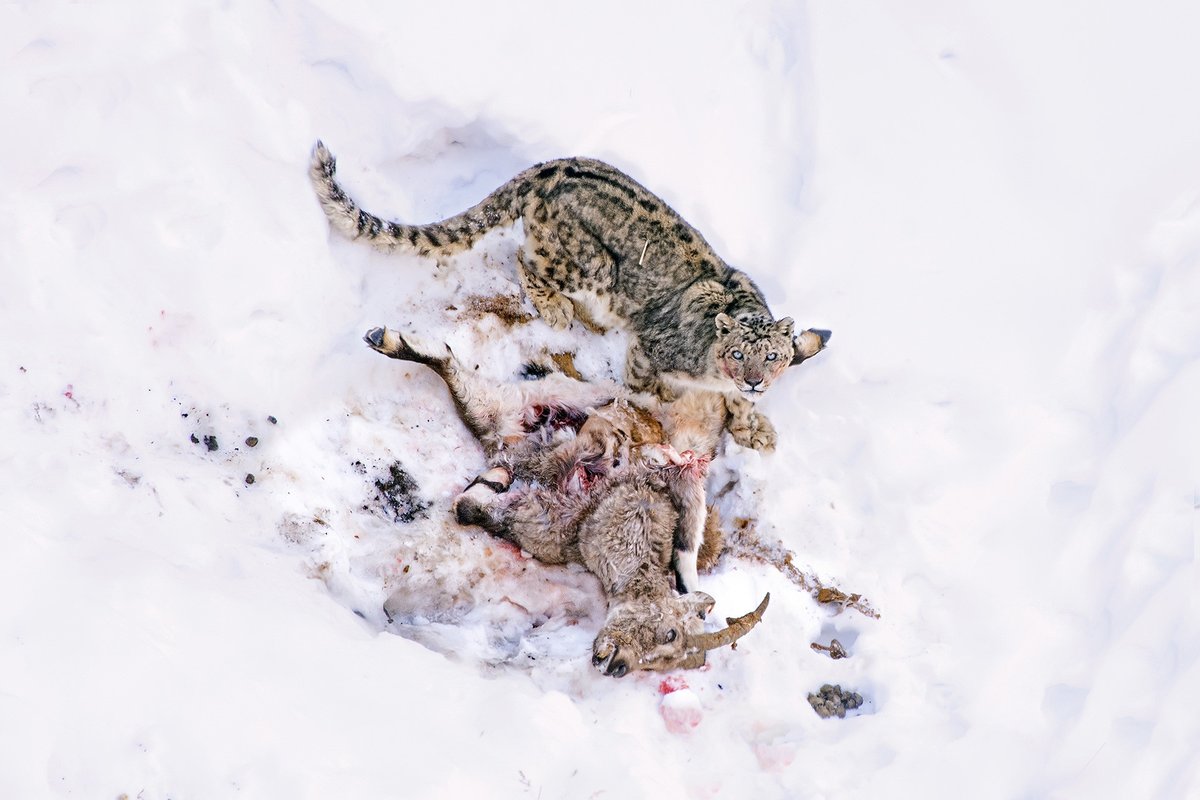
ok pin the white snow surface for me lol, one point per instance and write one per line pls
(994, 206)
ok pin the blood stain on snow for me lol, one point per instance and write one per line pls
(681, 711)
(506, 548)
(672, 683)
(774, 756)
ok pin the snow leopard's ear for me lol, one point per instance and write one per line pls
(725, 324)
(808, 344)
(784, 326)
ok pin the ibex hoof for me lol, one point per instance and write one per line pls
(374, 337)
(469, 511)
(498, 479)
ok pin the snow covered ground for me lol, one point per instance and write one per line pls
(994, 206)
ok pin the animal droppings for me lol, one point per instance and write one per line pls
(833, 701)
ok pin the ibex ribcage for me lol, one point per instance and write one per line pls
(583, 473)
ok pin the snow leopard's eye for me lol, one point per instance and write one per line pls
(670, 637)
(772, 356)
(737, 354)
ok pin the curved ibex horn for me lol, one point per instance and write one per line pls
(736, 629)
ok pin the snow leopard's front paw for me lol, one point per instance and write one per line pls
(754, 431)
(554, 308)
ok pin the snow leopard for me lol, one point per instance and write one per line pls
(601, 248)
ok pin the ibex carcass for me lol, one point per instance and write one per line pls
(595, 484)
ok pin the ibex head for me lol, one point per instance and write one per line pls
(662, 633)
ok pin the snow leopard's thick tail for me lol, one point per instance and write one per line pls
(452, 235)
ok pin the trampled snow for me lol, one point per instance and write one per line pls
(994, 206)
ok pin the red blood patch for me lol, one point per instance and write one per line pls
(672, 683)
(681, 711)
(505, 546)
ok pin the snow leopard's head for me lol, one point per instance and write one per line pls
(752, 351)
